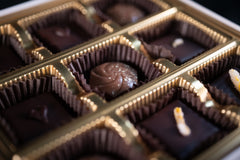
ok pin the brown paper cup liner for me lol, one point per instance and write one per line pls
(82, 66)
(22, 90)
(214, 70)
(212, 114)
(154, 143)
(13, 43)
(180, 27)
(67, 17)
(102, 5)
(97, 141)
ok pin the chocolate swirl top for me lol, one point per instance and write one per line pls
(113, 78)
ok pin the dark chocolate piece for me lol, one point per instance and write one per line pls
(124, 13)
(183, 52)
(58, 38)
(159, 51)
(224, 83)
(9, 59)
(162, 125)
(113, 78)
(26, 128)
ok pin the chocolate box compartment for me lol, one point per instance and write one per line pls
(125, 12)
(98, 143)
(12, 53)
(217, 79)
(143, 69)
(177, 37)
(62, 27)
(41, 104)
(157, 127)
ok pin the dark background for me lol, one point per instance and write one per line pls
(227, 8)
(8, 3)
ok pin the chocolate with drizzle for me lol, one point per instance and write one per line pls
(113, 78)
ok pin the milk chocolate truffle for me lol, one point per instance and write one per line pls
(113, 78)
(124, 13)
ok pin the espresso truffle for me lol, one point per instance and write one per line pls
(224, 83)
(113, 78)
(182, 48)
(124, 13)
(58, 38)
(162, 125)
(36, 115)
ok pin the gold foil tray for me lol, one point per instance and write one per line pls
(111, 114)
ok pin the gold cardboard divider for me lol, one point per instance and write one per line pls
(8, 29)
(41, 53)
(217, 37)
(25, 22)
(164, 65)
(15, 31)
(102, 44)
(155, 20)
(103, 121)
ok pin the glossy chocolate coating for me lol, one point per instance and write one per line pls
(123, 13)
(36, 115)
(113, 78)
(59, 38)
(9, 59)
(162, 125)
(224, 83)
(188, 50)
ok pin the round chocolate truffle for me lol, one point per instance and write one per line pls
(124, 13)
(113, 78)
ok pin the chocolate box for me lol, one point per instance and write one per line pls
(93, 86)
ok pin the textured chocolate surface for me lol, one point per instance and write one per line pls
(124, 13)
(113, 78)
(59, 38)
(36, 115)
(224, 83)
(162, 125)
(9, 59)
(188, 50)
